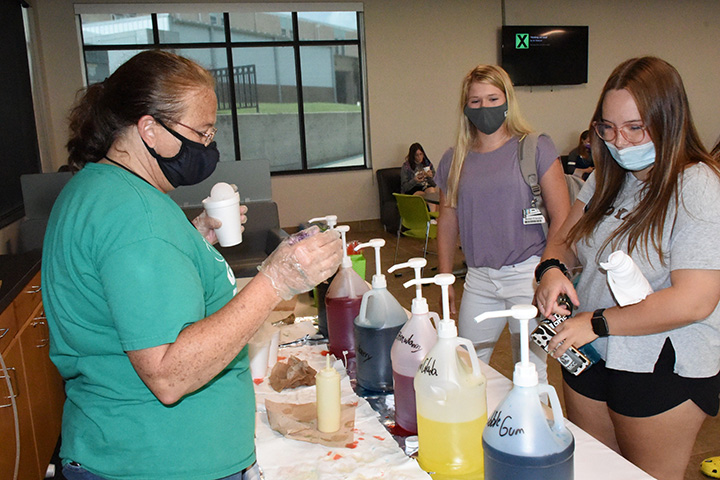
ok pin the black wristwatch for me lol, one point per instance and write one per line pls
(599, 323)
(546, 265)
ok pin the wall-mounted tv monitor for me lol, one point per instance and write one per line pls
(545, 55)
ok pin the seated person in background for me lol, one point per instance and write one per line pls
(416, 176)
(581, 157)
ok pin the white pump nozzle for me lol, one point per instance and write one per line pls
(525, 374)
(343, 229)
(419, 304)
(378, 280)
(331, 220)
(446, 326)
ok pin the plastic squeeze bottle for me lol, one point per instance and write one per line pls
(451, 401)
(411, 344)
(342, 303)
(322, 288)
(627, 282)
(378, 322)
(327, 384)
(519, 441)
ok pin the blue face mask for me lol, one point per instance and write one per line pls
(634, 158)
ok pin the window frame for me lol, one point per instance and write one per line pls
(228, 45)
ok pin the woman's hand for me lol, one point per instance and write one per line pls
(302, 261)
(206, 225)
(552, 284)
(576, 331)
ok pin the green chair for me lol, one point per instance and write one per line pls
(415, 220)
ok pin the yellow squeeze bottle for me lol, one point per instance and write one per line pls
(327, 384)
(451, 403)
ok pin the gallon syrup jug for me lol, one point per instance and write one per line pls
(451, 402)
(342, 303)
(519, 442)
(411, 344)
(321, 290)
(378, 322)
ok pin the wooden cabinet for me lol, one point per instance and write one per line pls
(37, 388)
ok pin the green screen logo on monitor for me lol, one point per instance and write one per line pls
(522, 40)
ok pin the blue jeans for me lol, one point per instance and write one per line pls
(75, 471)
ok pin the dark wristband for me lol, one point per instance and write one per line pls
(599, 323)
(546, 265)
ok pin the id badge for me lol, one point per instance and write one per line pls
(532, 216)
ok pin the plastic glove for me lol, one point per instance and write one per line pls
(206, 225)
(302, 261)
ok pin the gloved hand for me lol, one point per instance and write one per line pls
(302, 261)
(206, 225)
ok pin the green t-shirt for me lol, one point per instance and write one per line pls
(123, 270)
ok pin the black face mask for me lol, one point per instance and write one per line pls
(193, 163)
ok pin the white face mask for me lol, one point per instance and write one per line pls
(634, 158)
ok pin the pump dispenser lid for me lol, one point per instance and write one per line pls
(525, 374)
(419, 304)
(346, 261)
(446, 327)
(378, 280)
(331, 220)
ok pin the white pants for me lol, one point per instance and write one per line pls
(488, 289)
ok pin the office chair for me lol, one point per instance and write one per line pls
(414, 220)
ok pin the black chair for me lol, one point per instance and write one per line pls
(388, 180)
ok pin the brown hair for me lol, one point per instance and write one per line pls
(658, 91)
(153, 82)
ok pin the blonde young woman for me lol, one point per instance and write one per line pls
(653, 195)
(482, 197)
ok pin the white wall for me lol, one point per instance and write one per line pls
(417, 54)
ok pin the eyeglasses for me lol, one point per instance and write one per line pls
(632, 132)
(207, 136)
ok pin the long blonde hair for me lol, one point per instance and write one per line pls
(467, 133)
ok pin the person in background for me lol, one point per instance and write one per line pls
(417, 174)
(581, 157)
(147, 327)
(483, 197)
(652, 196)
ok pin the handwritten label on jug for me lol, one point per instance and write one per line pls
(363, 355)
(504, 424)
(414, 347)
(428, 367)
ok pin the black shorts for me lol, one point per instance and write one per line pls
(646, 394)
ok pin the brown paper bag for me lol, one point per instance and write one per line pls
(299, 422)
(291, 374)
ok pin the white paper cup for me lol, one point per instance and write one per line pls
(228, 212)
(258, 353)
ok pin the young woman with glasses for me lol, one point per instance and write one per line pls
(653, 195)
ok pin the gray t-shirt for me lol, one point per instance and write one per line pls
(492, 194)
(691, 240)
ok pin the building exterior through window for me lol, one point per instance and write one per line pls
(290, 84)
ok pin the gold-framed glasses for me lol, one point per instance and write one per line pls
(207, 137)
(633, 132)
